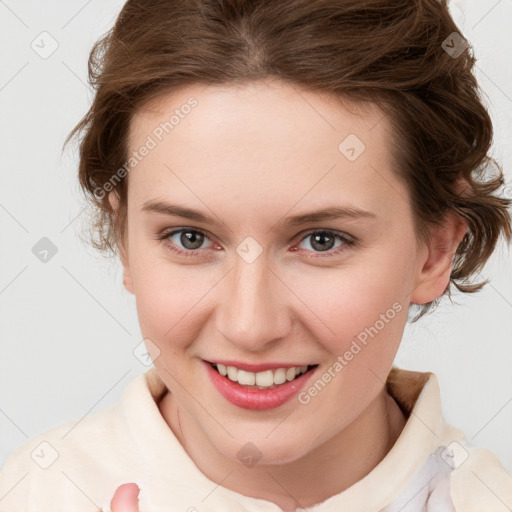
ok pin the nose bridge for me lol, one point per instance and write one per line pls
(252, 311)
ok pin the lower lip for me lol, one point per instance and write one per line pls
(253, 398)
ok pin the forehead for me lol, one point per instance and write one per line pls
(268, 141)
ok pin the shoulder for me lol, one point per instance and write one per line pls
(60, 462)
(479, 481)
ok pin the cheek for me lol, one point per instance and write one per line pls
(359, 310)
(363, 315)
(346, 299)
(169, 300)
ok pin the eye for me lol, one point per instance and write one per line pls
(190, 239)
(324, 241)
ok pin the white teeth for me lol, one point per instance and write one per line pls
(290, 374)
(261, 380)
(246, 378)
(279, 376)
(265, 378)
(232, 372)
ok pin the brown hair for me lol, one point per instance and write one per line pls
(398, 54)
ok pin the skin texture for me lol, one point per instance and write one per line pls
(250, 155)
(125, 498)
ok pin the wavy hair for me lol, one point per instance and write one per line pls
(403, 55)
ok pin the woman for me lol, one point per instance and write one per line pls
(282, 181)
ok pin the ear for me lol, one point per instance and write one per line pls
(113, 199)
(434, 275)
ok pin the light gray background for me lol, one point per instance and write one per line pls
(68, 327)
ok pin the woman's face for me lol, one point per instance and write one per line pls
(256, 284)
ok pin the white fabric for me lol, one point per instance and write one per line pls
(78, 465)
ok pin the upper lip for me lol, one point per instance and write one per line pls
(256, 367)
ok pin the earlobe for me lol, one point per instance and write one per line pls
(127, 280)
(113, 199)
(434, 275)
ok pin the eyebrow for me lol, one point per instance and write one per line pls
(329, 213)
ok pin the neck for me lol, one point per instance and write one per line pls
(309, 480)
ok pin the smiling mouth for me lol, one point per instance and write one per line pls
(267, 379)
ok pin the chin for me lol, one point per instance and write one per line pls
(264, 452)
(285, 458)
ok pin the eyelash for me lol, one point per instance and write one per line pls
(347, 242)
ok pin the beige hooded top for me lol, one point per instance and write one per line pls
(77, 466)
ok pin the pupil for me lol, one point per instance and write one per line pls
(191, 237)
(322, 246)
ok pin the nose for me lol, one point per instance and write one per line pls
(253, 306)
